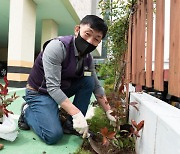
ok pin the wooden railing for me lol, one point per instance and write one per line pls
(140, 46)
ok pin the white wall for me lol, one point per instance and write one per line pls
(87, 7)
(82, 7)
(161, 132)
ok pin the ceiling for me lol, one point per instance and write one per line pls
(60, 11)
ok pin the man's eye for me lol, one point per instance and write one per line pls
(87, 34)
(97, 40)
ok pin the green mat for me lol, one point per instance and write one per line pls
(29, 143)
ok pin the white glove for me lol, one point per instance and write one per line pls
(110, 117)
(80, 124)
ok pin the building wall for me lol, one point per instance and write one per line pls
(87, 7)
(82, 7)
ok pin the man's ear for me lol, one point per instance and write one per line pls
(76, 30)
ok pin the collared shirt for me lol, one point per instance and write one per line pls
(53, 56)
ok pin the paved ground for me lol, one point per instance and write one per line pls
(29, 143)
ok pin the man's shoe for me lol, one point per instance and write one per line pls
(67, 124)
(21, 122)
(68, 128)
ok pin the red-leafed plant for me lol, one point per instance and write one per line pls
(120, 136)
(107, 135)
(123, 132)
(137, 127)
(4, 101)
(120, 107)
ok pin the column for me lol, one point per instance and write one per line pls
(49, 30)
(22, 21)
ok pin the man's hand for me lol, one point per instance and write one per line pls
(111, 118)
(80, 124)
(102, 100)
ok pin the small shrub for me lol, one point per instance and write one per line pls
(4, 100)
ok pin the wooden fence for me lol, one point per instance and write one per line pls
(140, 46)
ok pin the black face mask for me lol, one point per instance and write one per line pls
(83, 46)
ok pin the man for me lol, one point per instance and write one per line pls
(64, 68)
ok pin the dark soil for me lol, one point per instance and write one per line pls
(110, 149)
(106, 150)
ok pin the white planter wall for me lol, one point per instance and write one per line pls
(161, 132)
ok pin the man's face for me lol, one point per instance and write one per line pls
(90, 35)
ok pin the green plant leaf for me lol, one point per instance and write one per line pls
(121, 144)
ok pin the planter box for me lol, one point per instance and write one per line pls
(161, 132)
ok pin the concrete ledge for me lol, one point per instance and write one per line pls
(161, 132)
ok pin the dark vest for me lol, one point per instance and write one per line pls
(68, 74)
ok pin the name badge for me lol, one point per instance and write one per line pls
(86, 73)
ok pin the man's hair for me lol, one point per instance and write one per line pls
(95, 23)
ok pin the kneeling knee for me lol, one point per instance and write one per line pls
(53, 138)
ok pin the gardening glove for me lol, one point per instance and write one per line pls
(80, 124)
(111, 118)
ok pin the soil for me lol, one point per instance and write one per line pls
(110, 149)
(106, 150)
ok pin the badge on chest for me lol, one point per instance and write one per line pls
(87, 72)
